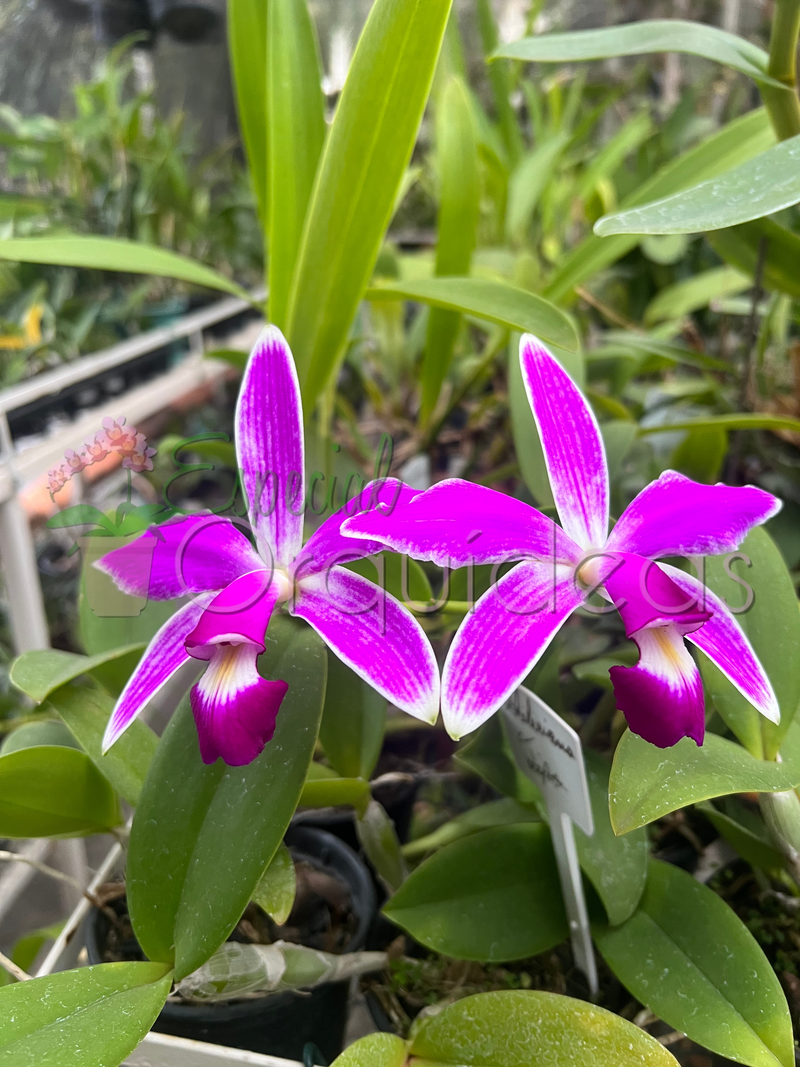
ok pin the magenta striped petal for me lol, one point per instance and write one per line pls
(375, 636)
(182, 557)
(501, 641)
(573, 448)
(723, 641)
(161, 659)
(234, 708)
(662, 696)
(269, 447)
(455, 523)
(645, 596)
(674, 516)
(329, 545)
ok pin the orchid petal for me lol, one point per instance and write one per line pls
(645, 596)
(375, 636)
(328, 545)
(269, 447)
(455, 523)
(725, 643)
(162, 658)
(674, 516)
(662, 696)
(573, 448)
(181, 558)
(240, 613)
(500, 642)
(234, 708)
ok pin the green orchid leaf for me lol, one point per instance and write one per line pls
(277, 886)
(41, 672)
(295, 135)
(735, 143)
(36, 734)
(378, 839)
(459, 212)
(741, 246)
(203, 835)
(747, 420)
(648, 782)
(643, 38)
(366, 155)
(700, 455)
(353, 721)
(518, 1028)
(688, 957)
(86, 712)
(488, 754)
(93, 1016)
(374, 1050)
(527, 183)
(54, 791)
(694, 293)
(493, 896)
(747, 833)
(113, 253)
(757, 187)
(247, 43)
(772, 624)
(505, 812)
(505, 305)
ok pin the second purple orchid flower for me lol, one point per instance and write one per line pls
(457, 523)
(235, 586)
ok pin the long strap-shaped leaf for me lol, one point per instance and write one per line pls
(367, 152)
(247, 40)
(110, 253)
(642, 38)
(296, 131)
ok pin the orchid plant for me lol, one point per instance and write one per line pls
(235, 587)
(457, 524)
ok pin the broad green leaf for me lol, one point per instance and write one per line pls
(53, 791)
(86, 712)
(700, 455)
(37, 734)
(113, 253)
(753, 842)
(488, 754)
(694, 293)
(378, 839)
(760, 186)
(277, 886)
(353, 721)
(247, 41)
(38, 673)
(366, 154)
(203, 835)
(519, 1028)
(618, 436)
(505, 812)
(643, 38)
(747, 420)
(688, 957)
(740, 140)
(632, 345)
(28, 947)
(493, 896)
(648, 782)
(459, 210)
(374, 1050)
(295, 135)
(771, 622)
(616, 866)
(527, 184)
(740, 246)
(505, 305)
(90, 1017)
(333, 792)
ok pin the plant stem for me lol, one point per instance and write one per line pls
(781, 813)
(784, 107)
(11, 967)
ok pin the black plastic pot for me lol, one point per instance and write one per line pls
(284, 1023)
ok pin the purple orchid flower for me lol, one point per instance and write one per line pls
(456, 523)
(235, 588)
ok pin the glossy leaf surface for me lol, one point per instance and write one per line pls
(38, 673)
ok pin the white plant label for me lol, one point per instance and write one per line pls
(548, 751)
